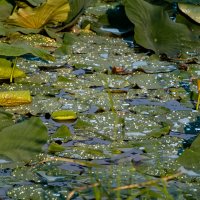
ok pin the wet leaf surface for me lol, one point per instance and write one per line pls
(132, 119)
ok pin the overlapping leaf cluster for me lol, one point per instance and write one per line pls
(156, 31)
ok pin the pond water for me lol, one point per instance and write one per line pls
(135, 116)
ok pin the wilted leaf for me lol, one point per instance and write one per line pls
(6, 70)
(19, 50)
(14, 98)
(23, 141)
(155, 30)
(49, 12)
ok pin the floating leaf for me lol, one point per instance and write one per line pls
(155, 30)
(6, 70)
(54, 147)
(23, 141)
(193, 11)
(15, 50)
(64, 115)
(62, 132)
(160, 132)
(49, 12)
(14, 98)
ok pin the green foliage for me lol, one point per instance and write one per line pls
(6, 8)
(54, 148)
(6, 69)
(190, 157)
(16, 50)
(23, 141)
(62, 132)
(155, 30)
(5, 119)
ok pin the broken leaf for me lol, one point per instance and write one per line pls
(14, 98)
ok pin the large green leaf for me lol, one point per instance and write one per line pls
(155, 30)
(23, 141)
(5, 119)
(19, 50)
(190, 157)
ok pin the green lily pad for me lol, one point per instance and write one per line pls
(137, 125)
(23, 141)
(15, 50)
(54, 148)
(62, 115)
(62, 132)
(165, 130)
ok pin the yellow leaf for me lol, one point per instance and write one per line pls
(15, 98)
(6, 70)
(50, 12)
(64, 115)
